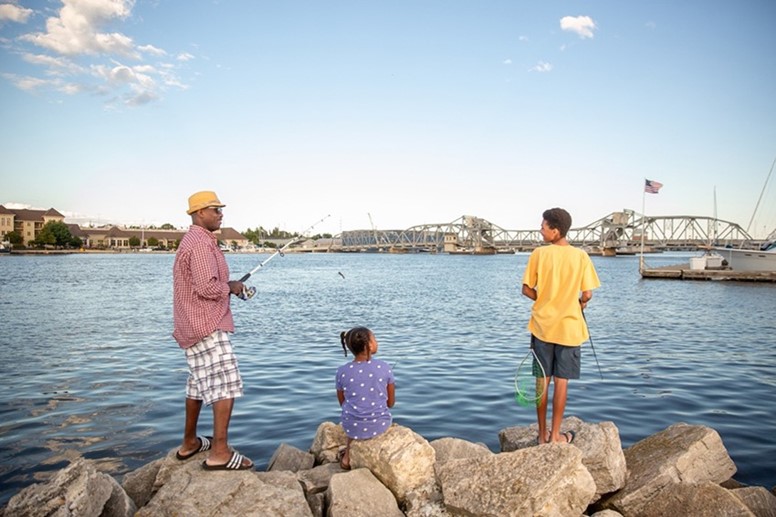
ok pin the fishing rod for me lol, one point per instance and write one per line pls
(590, 337)
(248, 292)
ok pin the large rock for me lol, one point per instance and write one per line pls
(316, 480)
(282, 479)
(358, 493)
(316, 502)
(681, 453)
(758, 499)
(170, 465)
(400, 458)
(425, 502)
(456, 449)
(329, 438)
(704, 499)
(195, 491)
(290, 458)
(79, 489)
(600, 444)
(139, 484)
(548, 480)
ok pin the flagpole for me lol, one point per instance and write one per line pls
(643, 202)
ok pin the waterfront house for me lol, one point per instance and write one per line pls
(27, 223)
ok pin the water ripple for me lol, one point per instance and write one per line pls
(91, 368)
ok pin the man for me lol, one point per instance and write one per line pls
(202, 319)
(560, 279)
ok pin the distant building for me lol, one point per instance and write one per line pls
(27, 223)
(115, 237)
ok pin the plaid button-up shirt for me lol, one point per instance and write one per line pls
(200, 288)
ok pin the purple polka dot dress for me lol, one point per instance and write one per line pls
(365, 412)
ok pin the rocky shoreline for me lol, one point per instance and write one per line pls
(684, 469)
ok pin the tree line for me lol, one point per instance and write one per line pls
(260, 235)
(57, 234)
(53, 233)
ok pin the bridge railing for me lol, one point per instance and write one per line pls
(616, 230)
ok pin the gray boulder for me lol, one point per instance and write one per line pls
(400, 458)
(548, 480)
(705, 499)
(607, 513)
(195, 491)
(456, 449)
(317, 479)
(329, 438)
(359, 493)
(758, 499)
(682, 453)
(139, 484)
(77, 490)
(284, 479)
(287, 457)
(600, 444)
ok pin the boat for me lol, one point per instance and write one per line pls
(476, 250)
(741, 259)
(753, 259)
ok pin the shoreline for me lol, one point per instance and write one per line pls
(683, 468)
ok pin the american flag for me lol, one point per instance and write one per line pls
(652, 187)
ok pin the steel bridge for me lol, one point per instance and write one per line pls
(618, 232)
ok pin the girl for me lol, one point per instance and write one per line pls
(365, 390)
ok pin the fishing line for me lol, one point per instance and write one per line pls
(248, 292)
(590, 337)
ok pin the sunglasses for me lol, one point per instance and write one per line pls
(216, 209)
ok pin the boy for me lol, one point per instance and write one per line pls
(554, 278)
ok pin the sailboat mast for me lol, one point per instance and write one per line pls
(761, 196)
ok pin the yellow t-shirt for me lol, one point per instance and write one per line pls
(559, 274)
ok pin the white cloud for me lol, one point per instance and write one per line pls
(76, 54)
(76, 29)
(541, 67)
(651, 25)
(140, 99)
(150, 49)
(21, 206)
(73, 88)
(581, 25)
(55, 65)
(523, 38)
(14, 13)
(507, 62)
(27, 83)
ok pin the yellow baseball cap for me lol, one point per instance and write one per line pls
(204, 199)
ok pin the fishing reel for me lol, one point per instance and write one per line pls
(247, 293)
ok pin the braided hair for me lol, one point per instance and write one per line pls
(356, 340)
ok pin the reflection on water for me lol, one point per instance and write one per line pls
(91, 368)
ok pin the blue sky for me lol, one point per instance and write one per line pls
(411, 111)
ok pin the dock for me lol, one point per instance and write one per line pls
(684, 272)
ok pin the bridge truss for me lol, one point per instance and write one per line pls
(618, 230)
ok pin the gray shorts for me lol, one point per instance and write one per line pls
(558, 360)
(213, 372)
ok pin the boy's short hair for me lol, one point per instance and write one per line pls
(558, 219)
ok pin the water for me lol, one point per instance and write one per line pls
(90, 367)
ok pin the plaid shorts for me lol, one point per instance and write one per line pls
(213, 372)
